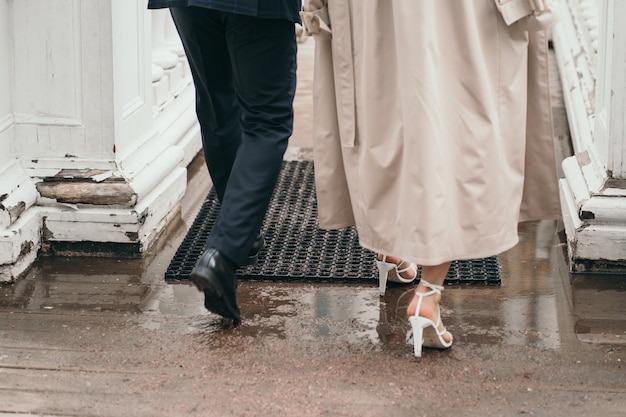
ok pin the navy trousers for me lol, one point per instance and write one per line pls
(244, 71)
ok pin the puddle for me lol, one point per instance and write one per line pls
(538, 304)
(598, 306)
(78, 284)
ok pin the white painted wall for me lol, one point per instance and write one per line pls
(19, 223)
(82, 87)
(6, 117)
(63, 89)
(132, 75)
(590, 45)
(610, 111)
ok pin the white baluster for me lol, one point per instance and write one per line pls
(162, 58)
(177, 74)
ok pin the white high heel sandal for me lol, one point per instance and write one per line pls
(425, 331)
(389, 271)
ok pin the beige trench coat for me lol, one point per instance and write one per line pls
(432, 121)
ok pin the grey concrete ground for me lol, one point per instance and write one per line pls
(108, 337)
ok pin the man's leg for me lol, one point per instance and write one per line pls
(202, 32)
(263, 55)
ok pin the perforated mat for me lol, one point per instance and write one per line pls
(297, 250)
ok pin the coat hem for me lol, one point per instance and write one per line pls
(464, 255)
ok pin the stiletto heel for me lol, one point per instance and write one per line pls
(389, 271)
(418, 335)
(383, 272)
(425, 331)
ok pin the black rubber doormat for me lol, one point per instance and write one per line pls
(297, 250)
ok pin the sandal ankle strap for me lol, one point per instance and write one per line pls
(433, 287)
(409, 267)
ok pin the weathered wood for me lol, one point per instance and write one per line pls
(88, 192)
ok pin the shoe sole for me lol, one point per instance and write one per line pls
(215, 300)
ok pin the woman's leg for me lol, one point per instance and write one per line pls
(436, 275)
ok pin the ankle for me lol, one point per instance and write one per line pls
(388, 258)
(406, 270)
(424, 288)
(429, 307)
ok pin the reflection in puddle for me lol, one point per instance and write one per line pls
(529, 309)
(599, 307)
(78, 284)
(355, 317)
(531, 322)
(348, 314)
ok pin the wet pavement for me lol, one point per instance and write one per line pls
(109, 337)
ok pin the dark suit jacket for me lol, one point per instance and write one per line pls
(267, 9)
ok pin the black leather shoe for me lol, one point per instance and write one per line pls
(215, 275)
(257, 246)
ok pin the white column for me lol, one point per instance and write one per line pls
(590, 45)
(19, 221)
(92, 149)
(610, 120)
(172, 87)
